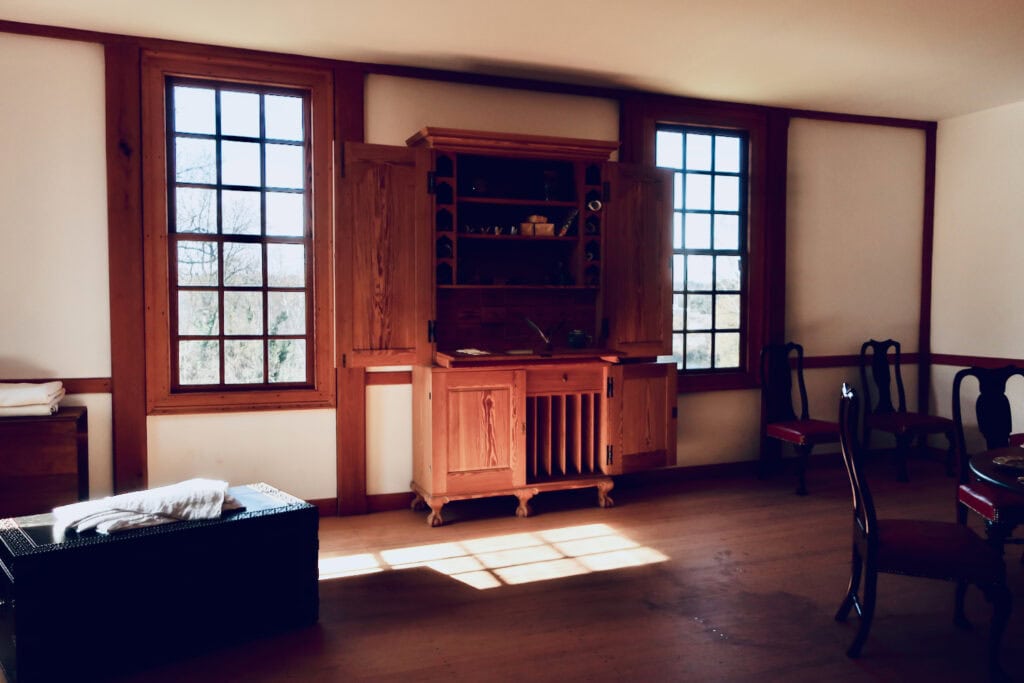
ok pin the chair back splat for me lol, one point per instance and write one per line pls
(910, 547)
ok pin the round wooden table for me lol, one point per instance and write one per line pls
(1000, 475)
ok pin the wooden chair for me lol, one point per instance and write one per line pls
(896, 419)
(780, 419)
(1001, 509)
(922, 548)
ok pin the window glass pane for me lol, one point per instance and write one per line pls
(286, 312)
(698, 311)
(240, 113)
(195, 210)
(727, 231)
(287, 360)
(698, 351)
(197, 263)
(286, 265)
(698, 231)
(243, 264)
(669, 147)
(243, 361)
(285, 166)
(727, 193)
(240, 163)
(677, 191)
(677, 230)
(284, 117)
(678, 311)
(678, 347)
(727, 350)
(678, 272)
(727, 154)
(241, 212)
(243, 313)
(285, 212)
(698, 152)
(194, 110)
(199, 361)
(727, 311)
(198, 313)
(698, 272)
(727, 276)
(698, 191)
(195, 160)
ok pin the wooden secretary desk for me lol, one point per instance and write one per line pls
(527, 281)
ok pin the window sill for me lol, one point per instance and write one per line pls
(240, 401)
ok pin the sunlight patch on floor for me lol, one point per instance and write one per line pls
(508, 559)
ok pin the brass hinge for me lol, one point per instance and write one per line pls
(609, 458)
(431, 332)
(611, 387)
(431, 178)
(344, 360)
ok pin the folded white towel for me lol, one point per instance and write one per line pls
(33, 409)
(192, 499)
(29, 393)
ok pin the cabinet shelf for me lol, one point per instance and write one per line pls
(517, 238)
(516, 202)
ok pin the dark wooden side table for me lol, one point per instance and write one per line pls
(985, 469)
(44, 461)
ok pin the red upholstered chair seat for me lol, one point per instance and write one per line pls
(938, 550)
(803, 432)
(993, 503)
(909, 423)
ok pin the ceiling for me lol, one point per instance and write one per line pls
(919, 59)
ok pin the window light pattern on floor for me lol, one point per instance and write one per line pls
(509, 559)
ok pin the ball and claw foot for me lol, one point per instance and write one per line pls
(603, 499)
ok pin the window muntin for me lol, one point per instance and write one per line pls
(240, 236)
(709, 244)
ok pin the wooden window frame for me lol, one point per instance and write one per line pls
(641, 117)
(156, 68)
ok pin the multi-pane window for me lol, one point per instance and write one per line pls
(239, 236)
(709, 244)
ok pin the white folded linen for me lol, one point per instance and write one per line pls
(34, 408)
(29, 393)
(187, 500)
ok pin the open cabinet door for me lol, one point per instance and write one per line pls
(640, 417)
(384, 263)
(637, 307)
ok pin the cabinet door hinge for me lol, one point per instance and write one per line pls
(431, 182)
(344, 360)
(609, 458)
(431, 332)
(611, 387)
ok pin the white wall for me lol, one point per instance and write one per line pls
(54, 307)
(979, 243)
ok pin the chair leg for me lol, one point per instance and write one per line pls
(959, 617)
(851, 600)
(1002, 602)
(867, 613)
(903, 442)
(803, 453)
(951, 455)
(997, 534)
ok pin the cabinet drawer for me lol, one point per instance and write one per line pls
(565, 380)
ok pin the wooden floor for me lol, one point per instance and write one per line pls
(733, 579)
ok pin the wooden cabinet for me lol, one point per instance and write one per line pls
(470, 242)
(44, 461)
